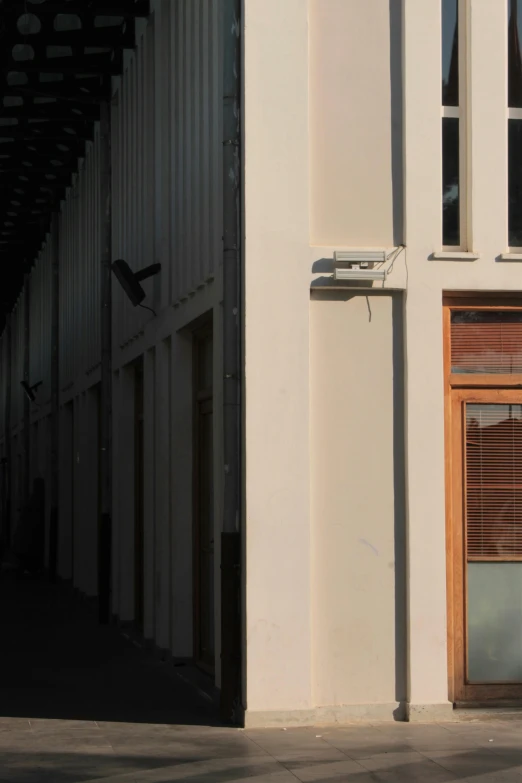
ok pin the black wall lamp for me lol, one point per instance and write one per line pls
(130, 281)
(30, 390)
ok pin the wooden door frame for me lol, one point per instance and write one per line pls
(459, 389)
(472, 692)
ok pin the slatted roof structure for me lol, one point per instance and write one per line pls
(57, 61)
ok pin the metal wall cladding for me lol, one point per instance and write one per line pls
(79, 254)
(40, 338)
(167, 158)
(166, 205)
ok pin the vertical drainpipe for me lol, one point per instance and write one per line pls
(27, 403)
(105, 522)
(230, 536)
(55, 396)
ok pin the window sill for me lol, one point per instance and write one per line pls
(510, 257)
(454, 255)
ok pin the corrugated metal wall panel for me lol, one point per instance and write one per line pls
(133, 165)
(167, 157)
(80, 343)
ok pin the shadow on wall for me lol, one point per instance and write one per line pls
(397, 146)
(399, 480)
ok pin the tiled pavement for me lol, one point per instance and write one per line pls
(46, 751)
(81, 703)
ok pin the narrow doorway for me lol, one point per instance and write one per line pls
(204, 500)
(139, 532)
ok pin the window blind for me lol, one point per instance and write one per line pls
(486, 341)
(493, 479)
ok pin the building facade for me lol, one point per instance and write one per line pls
(380, 391)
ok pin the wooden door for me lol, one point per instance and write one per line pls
(483, 392)
(486, 521)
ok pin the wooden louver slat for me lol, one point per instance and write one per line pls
(493, 479)
(488, 342)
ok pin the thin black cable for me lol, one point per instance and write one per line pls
(150, 309)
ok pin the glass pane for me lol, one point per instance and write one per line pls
(450, 53)
(486, 341)
(515, 182)
(514, 54)
(493, 481)
(494, 622)
(450, 182)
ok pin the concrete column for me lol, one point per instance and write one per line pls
(55, 398)
(124, 480)
(219, 478)
(277, 302)
(80, 496)
(181, 495)
(162, 496)
(426, 526)
(117, 519)
(66, 456)
(149, 495)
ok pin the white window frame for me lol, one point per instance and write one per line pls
(460, 113)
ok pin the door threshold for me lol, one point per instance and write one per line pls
(490, 709)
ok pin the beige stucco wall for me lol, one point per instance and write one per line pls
(357, 498)
(285, 253)
(286, 660)
(350, 123)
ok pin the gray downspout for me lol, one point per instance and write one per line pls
(105, 473)
(230, 536)
(55, 396)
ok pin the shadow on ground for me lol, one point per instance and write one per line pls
(57, 662)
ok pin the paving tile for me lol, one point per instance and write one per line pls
(297, 759)
(332, 771)
(213, 771)
(412, 766)
(507, 776)
(14, 724)
(467, 763)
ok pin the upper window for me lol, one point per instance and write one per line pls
(515, 123)
(451, 126)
